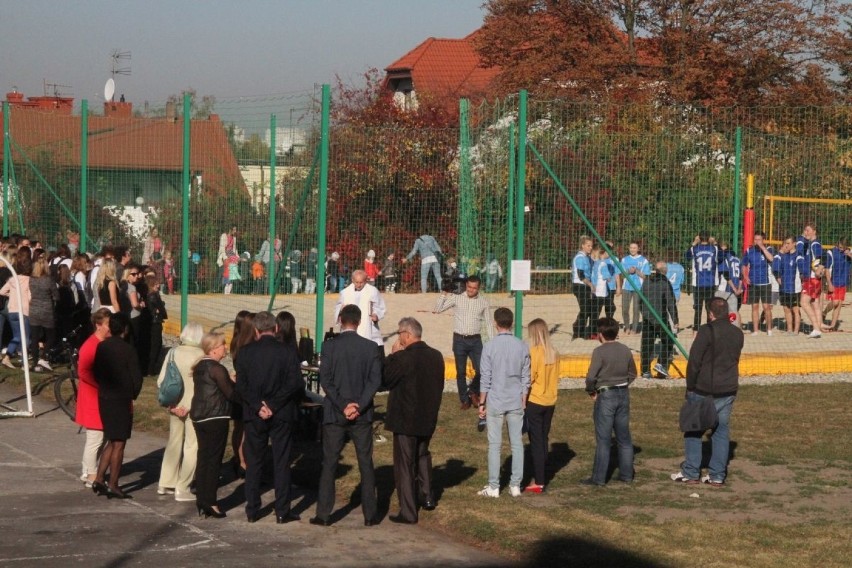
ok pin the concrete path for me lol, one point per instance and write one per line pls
(50, 519)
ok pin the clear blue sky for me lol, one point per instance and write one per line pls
(224, 48)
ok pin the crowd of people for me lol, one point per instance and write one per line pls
(516, 382)
(801, 275)
(56, 291)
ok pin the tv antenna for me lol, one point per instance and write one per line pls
(118, 58)
(54, 87)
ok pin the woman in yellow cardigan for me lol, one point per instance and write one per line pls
(544, 367)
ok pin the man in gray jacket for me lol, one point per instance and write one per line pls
(712, 370)
(658, 290)
(427, 247)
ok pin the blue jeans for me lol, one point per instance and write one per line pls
(612, 411)
(424, 275)
(15, 343)
(464, 347)
(720, 440)
(514, 422)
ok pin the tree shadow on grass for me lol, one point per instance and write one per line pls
(572, 551)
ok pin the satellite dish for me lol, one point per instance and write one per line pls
(109, 89)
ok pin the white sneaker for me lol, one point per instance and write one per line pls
(44, 364)
(6, 362)
(705, 479)
(664, 372)
(769, 332)
(184, 496)
(813, 335)
(165, 491)
(488, 491)
(514, 491)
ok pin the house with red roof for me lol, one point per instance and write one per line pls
(129, 157)
(447, 69)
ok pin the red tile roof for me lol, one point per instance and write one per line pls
(441, 66)
(129, 143)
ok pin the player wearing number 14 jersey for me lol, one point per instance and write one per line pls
(705, 276)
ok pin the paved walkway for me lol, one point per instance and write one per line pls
(50, 519)
(762, 354)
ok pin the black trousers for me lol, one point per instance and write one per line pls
(156, 346)
(333, 439)
(412, 468)
(701, 297)
(651, 332)
(212, 438)
(538, 419)
(258, 434)
(584, 325)
(41, 334)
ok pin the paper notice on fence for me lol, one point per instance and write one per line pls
(521, 275)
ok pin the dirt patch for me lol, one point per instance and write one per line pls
(797, 492)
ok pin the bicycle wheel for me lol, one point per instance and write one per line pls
(65, 389)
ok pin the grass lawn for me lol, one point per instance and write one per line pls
(787, 503)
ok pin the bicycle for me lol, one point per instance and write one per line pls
(65, 385)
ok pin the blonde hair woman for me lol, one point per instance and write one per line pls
(106, 287)
(544, 371)
(211, 414)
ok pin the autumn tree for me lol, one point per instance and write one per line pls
(712, 52)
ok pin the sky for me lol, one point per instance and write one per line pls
(224, 48)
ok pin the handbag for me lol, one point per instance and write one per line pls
(171, 389)
(700, 415)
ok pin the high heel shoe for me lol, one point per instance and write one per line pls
(99, 488)
(117, 494)
(205, 511)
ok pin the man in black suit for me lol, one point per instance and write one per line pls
(414, 374)
(269, 380)
(350, 375)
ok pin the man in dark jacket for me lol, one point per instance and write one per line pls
(269, 381)
(414, 373)
(712, 370)
(350, 375)
(658, 290)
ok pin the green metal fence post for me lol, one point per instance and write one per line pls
(184, 240)
(321, 216)
(522, 180)
(7, 157)
(272, 152)
(510, 223)
(84, 174)
(735, 239)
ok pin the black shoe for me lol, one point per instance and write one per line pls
(399, 519)
(370, 522)
(481, 424)
(205, 511)
(288, 518)
(252, 518)
(99, 488)
(429, 505)
(320, 522)
(117, 494)
(591, 483)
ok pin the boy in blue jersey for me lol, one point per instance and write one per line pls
(759, 259)
(581, 280)
(809, 247)
(704, 257)
(838, 261)
(789, 268)
(637, 268)
(730, 283)
(674, 272)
